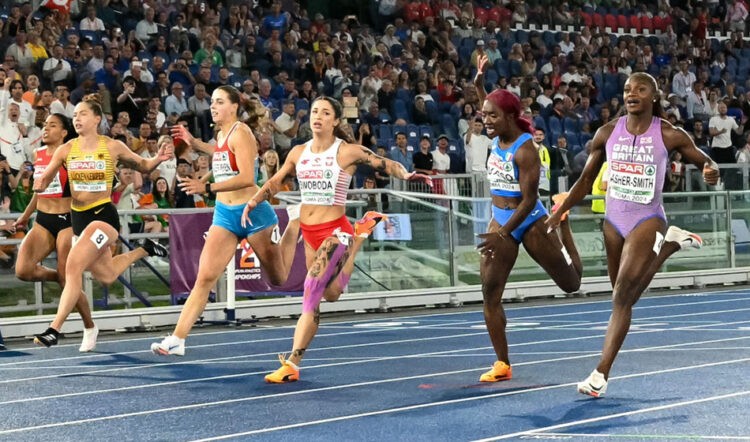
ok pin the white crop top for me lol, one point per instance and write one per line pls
(322, 182)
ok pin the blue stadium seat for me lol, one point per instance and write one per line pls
(584, 138)
(385, 132)
(301, 103)
(515, 68)
(502, 68)
(426, 130)
(400, 110)
(554, 124)
(571, 125)
(432, 111)
(464, 53)
(522, 36)
(449, 126)
(397, 129)
(404, 94)
(491, 77)
(572, 138)
(540, 123)
(412, 131)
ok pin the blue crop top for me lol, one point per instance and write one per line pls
(502, 171)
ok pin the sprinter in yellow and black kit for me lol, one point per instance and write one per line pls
(90, 160)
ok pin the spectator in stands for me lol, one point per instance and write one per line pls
(91, 22)
(176, 104)
(403, 153)
(722, 151)
(209, 52)
(477, 147)
(268, 168)
(146, 30)
(199, 105)
(21, 53)
(736, 16)
(468, 114)
(181, 198)
(699, 136)
(386, 96)
(163, 199)
(287, 125)
(276, 20)
(423, 160)
(605, 115)
(697, 103)
(682, 82)
(441, 159)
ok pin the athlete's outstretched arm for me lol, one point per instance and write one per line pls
(181, 132)
(129, 158)
(357, 154)
(482, 62)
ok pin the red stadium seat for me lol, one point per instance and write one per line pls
(610, 21)
(481, 15)
(425, 11)
(598, 19)
(494, 15)
(622, 22)
(646, 23)
(505, 14)
(635, 24)
(411, 12)
(587, 19)
(659, 23)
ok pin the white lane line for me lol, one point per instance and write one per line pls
(354, 416)
(337, 324)
(635, 436)
(423, 375)
(540, 431)
(484, 397)
(323, 335)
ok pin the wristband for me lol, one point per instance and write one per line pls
(208, 187)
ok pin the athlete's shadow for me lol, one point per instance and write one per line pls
(588, 407)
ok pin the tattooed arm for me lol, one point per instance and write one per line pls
(361, 155)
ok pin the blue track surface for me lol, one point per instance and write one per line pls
(682, 374)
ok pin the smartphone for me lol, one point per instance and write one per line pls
(30, 168)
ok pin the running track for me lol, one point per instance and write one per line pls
(683, 374)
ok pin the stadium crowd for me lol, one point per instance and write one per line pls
(403, 70)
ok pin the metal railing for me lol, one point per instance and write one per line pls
(440, 263)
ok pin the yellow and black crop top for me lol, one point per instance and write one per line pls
(90, 171)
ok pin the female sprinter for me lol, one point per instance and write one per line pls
(518, 217)
(324, 168)
(90, 160)
(52, 229)
(234, 173)
(636, 145)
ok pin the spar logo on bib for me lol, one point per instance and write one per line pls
(650, 170)
(328, 174)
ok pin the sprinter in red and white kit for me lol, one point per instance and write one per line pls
(324, 168)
